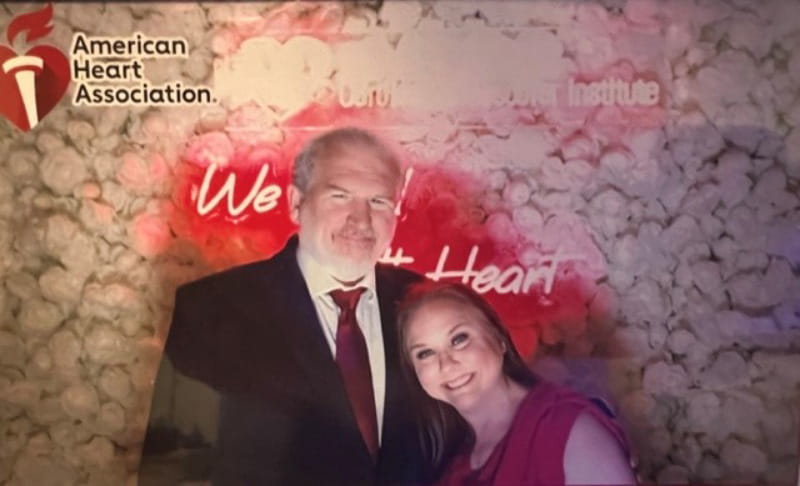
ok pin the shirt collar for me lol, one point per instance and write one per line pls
(320, 281)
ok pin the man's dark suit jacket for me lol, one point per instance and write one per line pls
(252, 335)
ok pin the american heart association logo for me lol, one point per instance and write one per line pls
(31, 84)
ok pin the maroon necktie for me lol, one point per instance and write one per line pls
(353, 361)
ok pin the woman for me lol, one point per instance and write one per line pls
(487, 420)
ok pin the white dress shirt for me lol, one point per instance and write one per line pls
(320, 283)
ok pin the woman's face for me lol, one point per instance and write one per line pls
(455, 355)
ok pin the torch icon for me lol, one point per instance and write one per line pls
(31, 82)
(25, 69)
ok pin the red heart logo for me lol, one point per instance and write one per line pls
(51, 84)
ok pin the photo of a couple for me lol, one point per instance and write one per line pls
(332, 369)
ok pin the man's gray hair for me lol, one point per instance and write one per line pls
(333, 143)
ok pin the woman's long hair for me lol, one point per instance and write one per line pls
(443, 431)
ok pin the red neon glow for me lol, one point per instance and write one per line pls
(223, 207)
(441, 209)
(540, 270)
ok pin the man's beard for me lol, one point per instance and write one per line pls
(348, 268)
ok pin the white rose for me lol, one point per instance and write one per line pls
(98, 452)
(23, 166)
(80, 401)
(673, 474)
(12, 350)
(108, 301)
(608, 211)
(701, 200)
(528, 220)
(106, 346)
(73, 247)
(744, 458)
(47, 411)
(187, 20)
(81, 133)
(662, 378)
(65, 349)
(500, 228)
(23, 285)
(63, 170)
(680, 341)
(198, 66)
(84, 16)
(517, 192)
(111, 418)
(401, 16)
(726, 371)
(39, 317)
(756, 291)
(67, 434)
(49, 141)
(44, 471)
(683, 231)
(116, 195)
(747, 32)
(24, 393)
(116, 19)
(42, 362)
(59, 285)
(116, 384)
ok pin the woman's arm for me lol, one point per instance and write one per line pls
(594, 456)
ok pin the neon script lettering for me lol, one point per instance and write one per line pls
(262, 199)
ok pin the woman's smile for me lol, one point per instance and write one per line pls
(456, 359)
(460, 382)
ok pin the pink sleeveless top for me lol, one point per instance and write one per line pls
(532, 452)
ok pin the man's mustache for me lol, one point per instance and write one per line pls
(356, 234)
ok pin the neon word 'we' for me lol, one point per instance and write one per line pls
(262, 199)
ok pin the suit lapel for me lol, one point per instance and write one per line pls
(302, 327)
(292, 309)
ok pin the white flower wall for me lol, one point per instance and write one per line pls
(689, 229)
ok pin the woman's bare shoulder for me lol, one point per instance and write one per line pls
(594, 455)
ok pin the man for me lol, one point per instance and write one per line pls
(300, 351)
